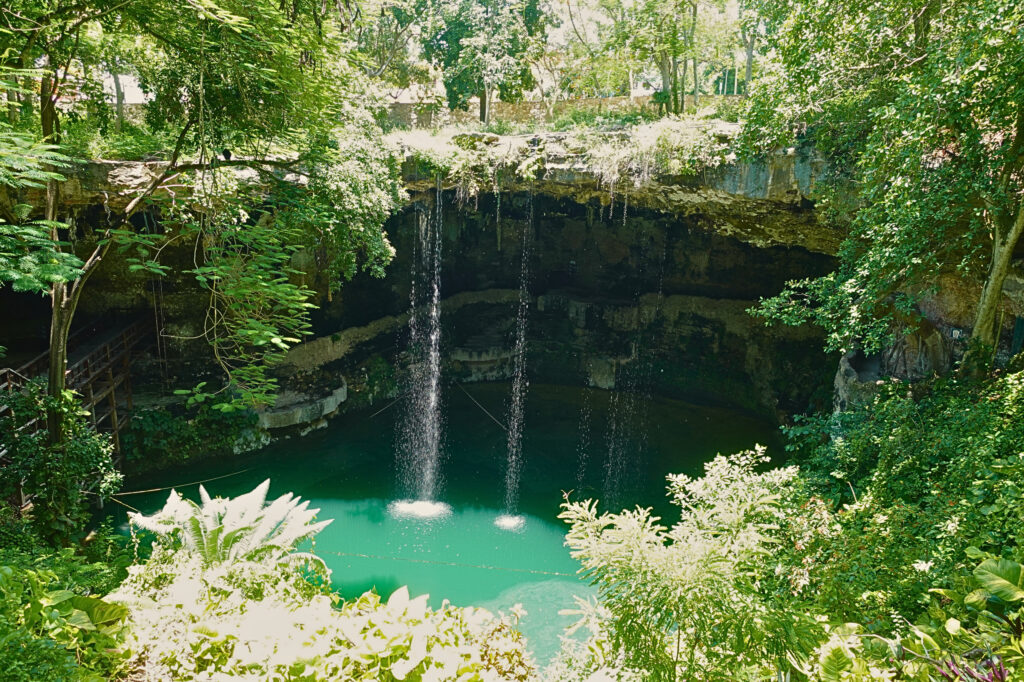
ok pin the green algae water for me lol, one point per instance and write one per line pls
(582, 442)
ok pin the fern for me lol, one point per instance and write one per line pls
(241, 529)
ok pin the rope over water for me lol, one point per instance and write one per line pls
(475, 402)
(183, 485)
(455, 564)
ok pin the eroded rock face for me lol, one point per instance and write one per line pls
(919, 354)
(765, 202)
(650, 279)
(646, 297)
(856, 381)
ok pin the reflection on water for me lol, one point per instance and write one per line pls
(463, 554)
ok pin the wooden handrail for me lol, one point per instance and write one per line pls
(107, 365)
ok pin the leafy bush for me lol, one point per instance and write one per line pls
(691, 602)
(242, 529)
(51, 632)
(91, 138)
(158, 438)
(593, 118)
(223, 596)
(972, 636)
(68, 570)
(59, 480)
(934, 475)
(759, 579)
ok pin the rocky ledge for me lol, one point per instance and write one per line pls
(764, 202)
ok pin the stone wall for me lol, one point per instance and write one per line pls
(613, 297)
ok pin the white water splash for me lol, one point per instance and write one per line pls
(510, 522)
(419, 509)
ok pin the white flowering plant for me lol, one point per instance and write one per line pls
(207, 608)
(696, 601)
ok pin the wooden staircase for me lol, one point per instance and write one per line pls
(99, 372)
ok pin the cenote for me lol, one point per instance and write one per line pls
(571, 438)
(424, 306)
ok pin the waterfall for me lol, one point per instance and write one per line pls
(520, 383)
(419, 445)
(627, 410)
(583, 442)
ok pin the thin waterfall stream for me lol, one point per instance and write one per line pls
(520, 384)
(628, 428)
(419, 444)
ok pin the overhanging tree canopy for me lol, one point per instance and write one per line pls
(923, 102)
(269, 81)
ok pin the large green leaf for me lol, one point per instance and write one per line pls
(834, 664)
(1003, 578)
(100, 612)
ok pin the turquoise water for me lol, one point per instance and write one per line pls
(348, 471)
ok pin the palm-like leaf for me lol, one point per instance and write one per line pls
(243, 528)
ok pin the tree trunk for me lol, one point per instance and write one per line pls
(1007, 231)
(682, 90)
(12, 103)
(665, 67)
(677, 96)
(984, 333)
(60, 325)
(696, 86)
(60, 320)
(118, 101)
(48, 111)
(749, 71)
(485, 105)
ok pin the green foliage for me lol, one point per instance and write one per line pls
(29, 259)
(157, 438)
(480, 46)
(95, 568)
(241, 529)
(60, 480)
(973, 636)
(264, 80)
(16, 532)
(595, 118)
(928, 115)
(85, 138)
(934, 476)
(52, 631)
(690, 602)
(354, 186)
(672, 146)
(760, 579)
(222, 596)
(384, 39)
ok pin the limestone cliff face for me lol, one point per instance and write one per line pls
(616, 299)
(650, 279)
(764, 202)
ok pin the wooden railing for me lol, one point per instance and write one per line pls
(102, 377)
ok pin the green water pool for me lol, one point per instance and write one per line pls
(348, 471)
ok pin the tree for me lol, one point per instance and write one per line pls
(663, 32)
(691, 602)
(672, 34)
(480, 46)
(385, 33)
(29, 259)
(750, 28)
(921, 102)
(255, 75)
